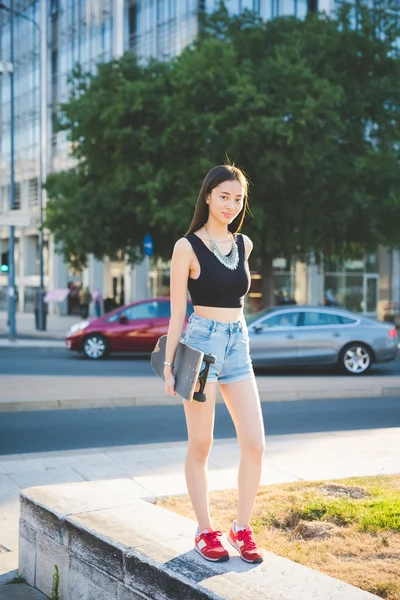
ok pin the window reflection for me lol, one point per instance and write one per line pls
(353, 283)
(78, 31)
(26, 95)
(160, 28)
(286, 319)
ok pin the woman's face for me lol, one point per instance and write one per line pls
(226, 201)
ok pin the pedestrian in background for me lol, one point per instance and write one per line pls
(85, 298)
(330, 298)
(97, 300)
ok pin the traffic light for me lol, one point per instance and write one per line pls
(4, 266)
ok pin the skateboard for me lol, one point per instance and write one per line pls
(187, 371)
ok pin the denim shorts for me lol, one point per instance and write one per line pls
(229, 342)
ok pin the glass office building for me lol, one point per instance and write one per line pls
(58, 34)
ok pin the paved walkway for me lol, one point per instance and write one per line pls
(25, 325)
(21, 591)
(51, 392)
(158, 469)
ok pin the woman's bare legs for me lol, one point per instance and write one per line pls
(200, 426)
(243, 403)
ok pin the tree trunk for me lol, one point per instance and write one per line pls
(267, 280)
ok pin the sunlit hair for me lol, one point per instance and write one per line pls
(213, 179)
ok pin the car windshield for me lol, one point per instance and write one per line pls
(255, 316)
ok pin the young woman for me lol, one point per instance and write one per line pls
(211, 261)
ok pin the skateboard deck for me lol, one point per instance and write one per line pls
(187, 371)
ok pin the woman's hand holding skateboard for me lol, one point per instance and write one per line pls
(169, 381)
(188, 377)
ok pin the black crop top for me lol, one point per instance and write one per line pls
(218, 285)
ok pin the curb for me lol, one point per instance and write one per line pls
(54, 343)
(161, 400)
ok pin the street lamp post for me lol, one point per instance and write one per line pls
(9, 68)
(11, 281)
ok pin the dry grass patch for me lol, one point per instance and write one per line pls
(349, 529)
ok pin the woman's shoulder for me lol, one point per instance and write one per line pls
(183, 246)
(182, 254)
(248, 244)
(188, 240)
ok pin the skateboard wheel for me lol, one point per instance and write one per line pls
(199, 397)
(209, 358)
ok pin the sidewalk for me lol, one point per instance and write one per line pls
(56, 329)
(158, 469)
(51, 392)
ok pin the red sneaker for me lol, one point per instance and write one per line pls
(243, 540)
(208, 545)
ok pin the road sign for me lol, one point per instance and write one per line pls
(148, 245)
(18, 218)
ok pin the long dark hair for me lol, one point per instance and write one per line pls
(213, 178)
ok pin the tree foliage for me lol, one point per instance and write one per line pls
(309, 109)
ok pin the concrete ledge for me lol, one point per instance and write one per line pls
(110, 545)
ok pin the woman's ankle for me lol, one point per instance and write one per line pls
(236, 525)
(203, 528)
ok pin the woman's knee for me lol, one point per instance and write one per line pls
(254, 448)
(200, 448)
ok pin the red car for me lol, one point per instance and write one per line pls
(132, 328)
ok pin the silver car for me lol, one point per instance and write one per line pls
(315, 335)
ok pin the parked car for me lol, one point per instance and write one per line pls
(132, 328)
(314, 335)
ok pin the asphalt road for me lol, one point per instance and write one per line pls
(57, 361)
(71, 429)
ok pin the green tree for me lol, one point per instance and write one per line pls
(310, 110)
(114, 119)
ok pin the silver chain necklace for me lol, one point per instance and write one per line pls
(231, 260)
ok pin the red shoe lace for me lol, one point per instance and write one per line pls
(246, 536)
(211, 538)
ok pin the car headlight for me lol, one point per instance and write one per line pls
(79, 326)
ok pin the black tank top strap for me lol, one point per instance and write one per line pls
(194, 240)
(241, 246)
(199, 248)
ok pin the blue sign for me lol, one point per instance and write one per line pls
(148, 245)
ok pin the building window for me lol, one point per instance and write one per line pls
(284, 279)
(33, 192)
(353, 284)
(17, 195)
(4, 198)
(53, 8)
(313, 6)
(284, 284)
(132, 24)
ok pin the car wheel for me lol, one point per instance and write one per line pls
(356, 359)
(95, 346)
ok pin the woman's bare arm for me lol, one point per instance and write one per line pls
(248, 244)
(180, 268)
